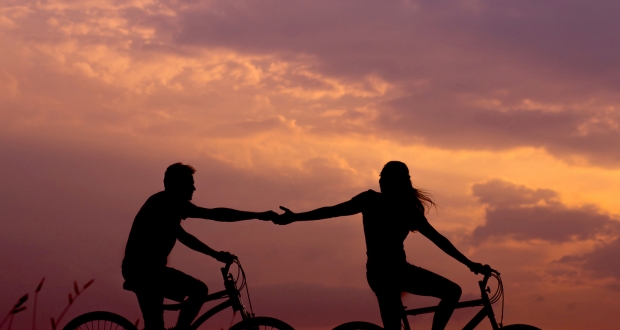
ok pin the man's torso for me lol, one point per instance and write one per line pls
(154, 232)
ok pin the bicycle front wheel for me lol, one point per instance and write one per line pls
(261, 323)
(520, 327)
(358, 325)
(99, 321)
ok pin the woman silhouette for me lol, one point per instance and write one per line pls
(388, 218)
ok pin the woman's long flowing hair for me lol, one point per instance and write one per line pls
(424, 199)
(396, 183)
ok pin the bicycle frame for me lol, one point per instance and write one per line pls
(486, 310)
(231, 292)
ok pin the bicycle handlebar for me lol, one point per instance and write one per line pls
(229, 263)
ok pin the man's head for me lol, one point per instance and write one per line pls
(179, 180)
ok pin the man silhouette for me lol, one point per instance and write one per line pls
(154, 232)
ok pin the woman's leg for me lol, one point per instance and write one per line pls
(422, 282)
(387, 289)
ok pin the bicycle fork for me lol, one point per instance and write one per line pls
(487, 310)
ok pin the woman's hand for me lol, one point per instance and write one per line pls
(285, 218)
(478, 268)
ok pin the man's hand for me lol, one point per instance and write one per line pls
(478, 268)
(285, 218)
(269, 215)
(224, 257)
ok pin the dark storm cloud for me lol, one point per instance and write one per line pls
(525, 214)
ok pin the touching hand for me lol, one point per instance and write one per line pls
(225, 257)
(269, 215)
(285, 218)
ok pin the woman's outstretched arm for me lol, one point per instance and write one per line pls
(339, 210)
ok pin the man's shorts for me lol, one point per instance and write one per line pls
(167, 282)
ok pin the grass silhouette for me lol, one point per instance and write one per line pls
(19, 306)
(72, 299)
(34, 308)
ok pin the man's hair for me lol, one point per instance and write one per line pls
(177, 172)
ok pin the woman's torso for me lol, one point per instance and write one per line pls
(387, 222)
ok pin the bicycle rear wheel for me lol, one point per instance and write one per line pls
(100, 321)
(358, 325)
(520, 327)
(261, 323)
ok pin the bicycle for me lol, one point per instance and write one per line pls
(102, 320)
(484, 301)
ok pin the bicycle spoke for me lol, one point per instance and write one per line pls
(99, 321)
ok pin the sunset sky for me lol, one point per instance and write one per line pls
(508, 112)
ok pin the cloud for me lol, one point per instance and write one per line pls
(603, 261)
(457, 75)
(498, 193)
(397, 36)
(581, 134)
(475, 75)
(524, 214)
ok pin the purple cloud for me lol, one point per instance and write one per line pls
(445, 56)
(604, 261)
(526, 214)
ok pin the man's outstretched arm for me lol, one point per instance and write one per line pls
(230, 215)
(195, 244)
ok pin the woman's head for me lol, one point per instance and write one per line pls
(395, 178)
(395, 182)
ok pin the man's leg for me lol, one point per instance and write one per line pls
(180, 285)
(422, 282)
(152, 312)
(146, 283)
